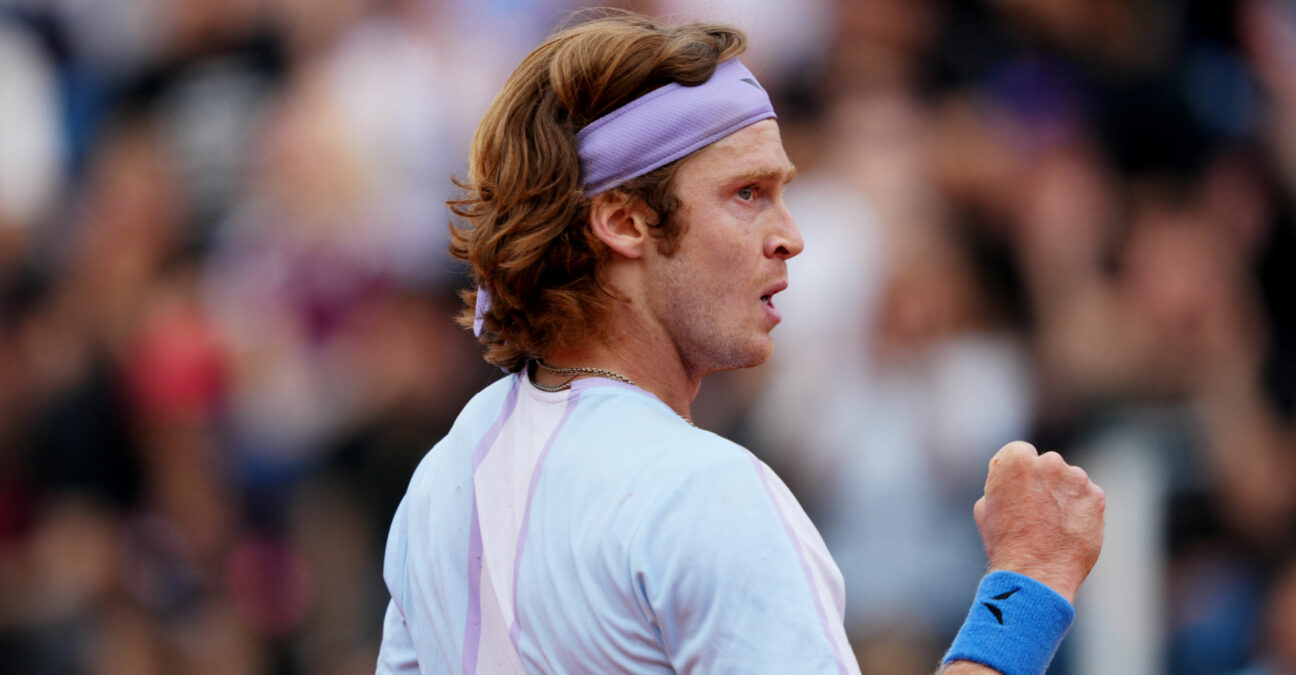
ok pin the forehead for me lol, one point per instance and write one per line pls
(755, 150)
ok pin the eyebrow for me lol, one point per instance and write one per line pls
(786, 174)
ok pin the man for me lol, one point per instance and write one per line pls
(624, 219)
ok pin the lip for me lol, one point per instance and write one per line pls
(776, 288)
(770, 310)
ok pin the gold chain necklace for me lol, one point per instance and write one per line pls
(573, 373)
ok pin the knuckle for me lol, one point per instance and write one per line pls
(1053, 462)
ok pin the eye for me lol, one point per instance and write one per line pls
(748, 193)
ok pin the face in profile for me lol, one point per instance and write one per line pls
(715, 295)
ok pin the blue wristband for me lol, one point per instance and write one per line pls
(1015, 625)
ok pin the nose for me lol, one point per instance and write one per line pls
(785, 240)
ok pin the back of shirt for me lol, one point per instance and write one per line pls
(593, 530)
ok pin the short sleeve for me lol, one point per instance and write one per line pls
(734, 578)
(396, 656)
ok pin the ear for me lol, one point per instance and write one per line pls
(622, 222)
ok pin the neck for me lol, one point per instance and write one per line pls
(638, 358)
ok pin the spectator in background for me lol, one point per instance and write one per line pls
(1112, 180)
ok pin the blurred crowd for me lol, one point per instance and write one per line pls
(225, 297)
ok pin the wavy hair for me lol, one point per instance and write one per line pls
(524, 222)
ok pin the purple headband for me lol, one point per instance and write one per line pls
(669, 123)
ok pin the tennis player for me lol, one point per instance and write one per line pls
(624, 221)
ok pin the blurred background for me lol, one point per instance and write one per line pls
(225, 297)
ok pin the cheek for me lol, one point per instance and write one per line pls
(736, 262)
(717, 254)
(718, 274)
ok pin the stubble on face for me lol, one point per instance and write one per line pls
(694, 316)
(707, 296)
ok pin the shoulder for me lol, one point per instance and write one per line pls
(485, 409)
(679, 481)
(625, 450)
(729, 568)
(641, 427)
(666, 461)
(488, 405)
(453, 453)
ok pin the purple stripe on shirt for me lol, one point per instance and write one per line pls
(515, 630)
(472, 625)
(805, 565)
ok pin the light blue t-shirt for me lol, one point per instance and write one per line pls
(595, 531)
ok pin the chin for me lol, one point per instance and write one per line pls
(747, 354)
(762, 354)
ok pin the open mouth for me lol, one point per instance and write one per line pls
(767, 298)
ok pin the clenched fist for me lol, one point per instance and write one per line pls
(1041, 517)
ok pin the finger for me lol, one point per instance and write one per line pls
(1052, 458)
(1013, 450)
(1013, 461)
(978, 511)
